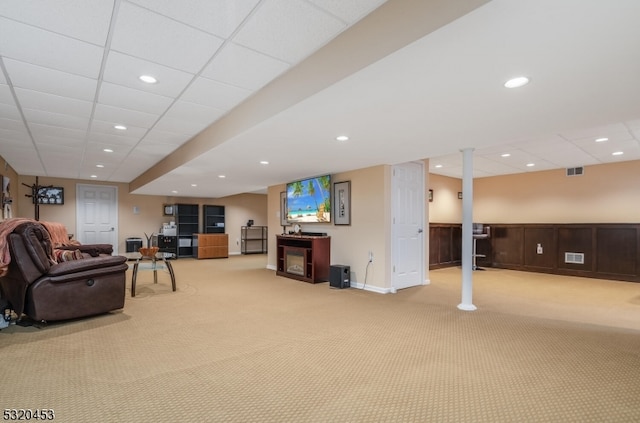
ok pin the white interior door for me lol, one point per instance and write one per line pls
(408, 207)
(97, 215)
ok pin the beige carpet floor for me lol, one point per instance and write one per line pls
(236, 343)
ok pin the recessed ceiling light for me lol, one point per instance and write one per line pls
(505, 155)
(438, 166)
(148, 79)
(194, 185)
(221, 176)
(120, 127)
(174, 192)
(517, 82)
(531, 164)
(617, 153)
(603, 139)
(94, 176)
(99, 165)
(108, 150)
(342, 138)
(264, 162)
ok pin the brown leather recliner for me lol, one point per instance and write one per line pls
(45, 290)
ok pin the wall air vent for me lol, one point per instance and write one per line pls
(574, 258)
(575, 171)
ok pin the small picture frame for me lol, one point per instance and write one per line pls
(342, 201)
(50, 195)
(283, 209)
(430, 195)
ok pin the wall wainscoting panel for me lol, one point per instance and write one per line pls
(599, 250)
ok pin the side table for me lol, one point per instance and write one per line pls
(158, 262)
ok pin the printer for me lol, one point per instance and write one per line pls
(169, 229)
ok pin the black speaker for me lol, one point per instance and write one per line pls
(339, 276)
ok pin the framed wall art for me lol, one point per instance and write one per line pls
(284, 221)
(50, 195)
(342, 200)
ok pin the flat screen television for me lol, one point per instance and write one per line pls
(309, 200)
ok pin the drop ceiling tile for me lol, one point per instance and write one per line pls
(492, 167)
(95, 149)
(12, 124)
(214, 94)
(16, 135)
(8, 111)
(603, 150)
(53, 103)
(218, 17)
(132, 132)
(633, 125)
(50, 140)
(86, 20)
(128, 98)
(24, 43)
(28, 161)
(126, 117)
(150, 36)
(113, 139)
(242, 67)
(613, 137)
(55, 119)
(39, 130)
(349, 11)
(38, 78)
(288, 30)
(125, 70)
(593, 133)
(6, 97)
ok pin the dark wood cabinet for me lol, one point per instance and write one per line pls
(305, 258)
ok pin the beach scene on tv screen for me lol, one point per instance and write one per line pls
(309, 200)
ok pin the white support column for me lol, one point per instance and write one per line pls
(467, 231)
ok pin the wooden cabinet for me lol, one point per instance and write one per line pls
(253, 239)
(210, 246)
(305, 258)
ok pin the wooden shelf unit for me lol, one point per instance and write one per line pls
(210, 246)
(305, 258)
(253, 239)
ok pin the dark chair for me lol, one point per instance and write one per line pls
(480, 231)
(45, 290)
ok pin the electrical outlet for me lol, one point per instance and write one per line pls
(539, 249)
(370, 256)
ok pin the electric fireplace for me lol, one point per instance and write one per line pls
(294, 261)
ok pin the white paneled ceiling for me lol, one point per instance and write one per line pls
(70, 68)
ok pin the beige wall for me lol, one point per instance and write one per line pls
(446, 207)
(238, 209)
(608, 193)
(350, 244)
